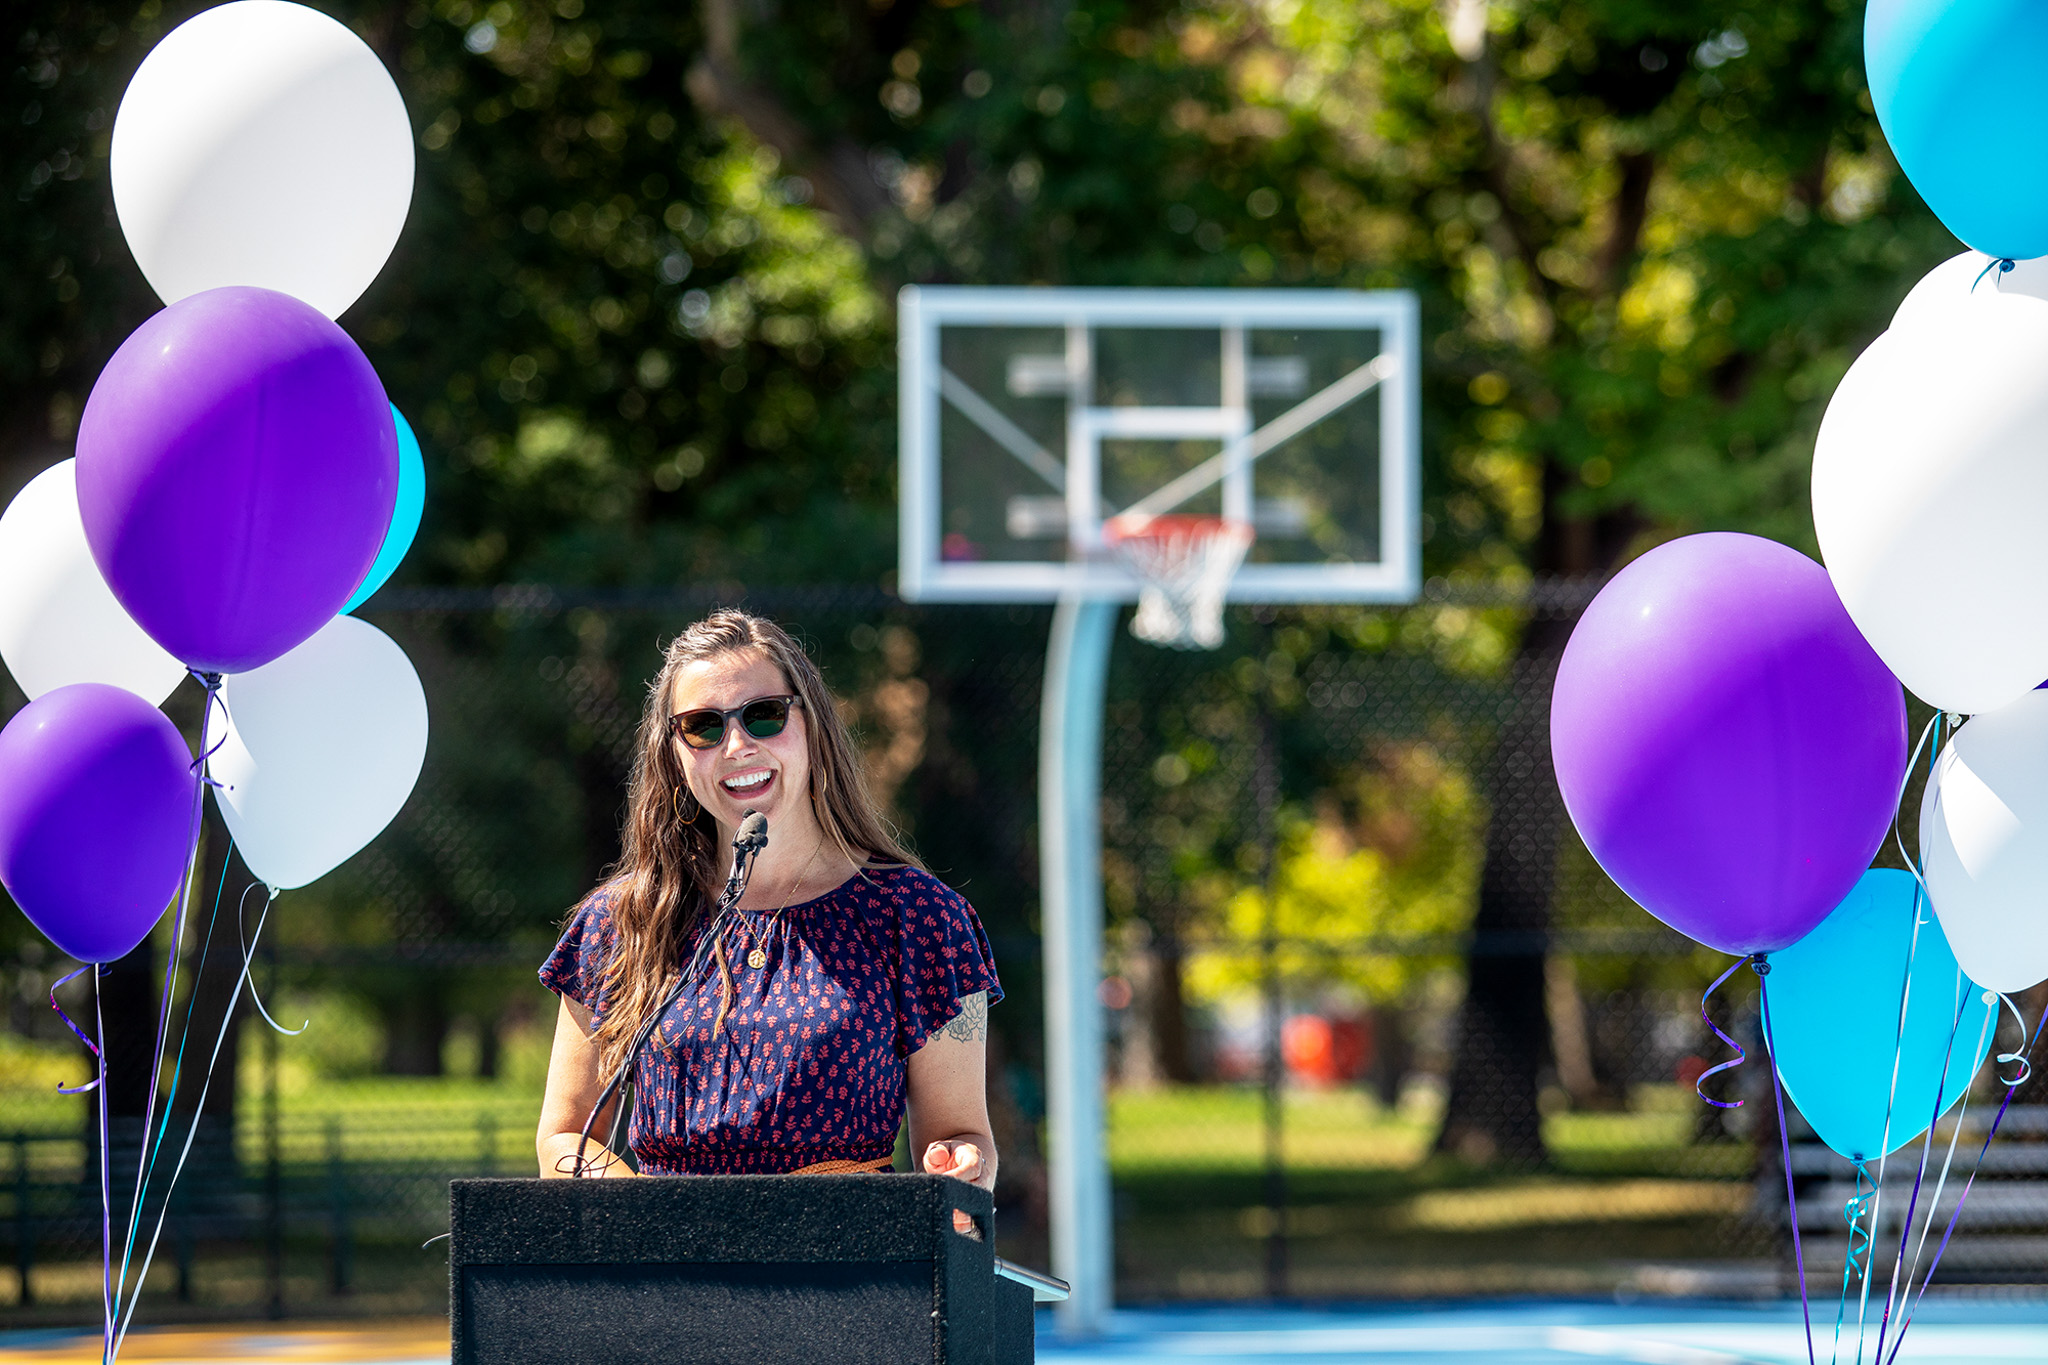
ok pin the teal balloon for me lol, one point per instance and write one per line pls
(1961, 90)
(1834, 1001)
(405, 518)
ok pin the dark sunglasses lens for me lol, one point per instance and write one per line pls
(701, 729)
(765, 719)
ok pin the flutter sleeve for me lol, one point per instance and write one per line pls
(575, 968)
(946, 958)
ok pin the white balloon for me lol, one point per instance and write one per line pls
(59, 621)
(1984, 844)
(1968, 279)
(1930, 483)
(262, 143)
(323, 747)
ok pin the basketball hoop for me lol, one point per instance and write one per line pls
(1185, 564)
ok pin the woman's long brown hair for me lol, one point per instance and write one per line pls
(672, 863)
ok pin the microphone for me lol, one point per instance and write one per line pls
(753, 834)
(748, 842)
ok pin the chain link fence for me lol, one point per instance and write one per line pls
(1303, 834)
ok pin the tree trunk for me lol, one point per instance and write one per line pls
(1504, 1025)
(1390, 1055)
(1491, 1113)
(127, 1013)
(1170, 1010)
(415, 1027)
(1571, 1042)
(488, 1045)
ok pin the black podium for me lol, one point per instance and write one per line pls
(732, 1270)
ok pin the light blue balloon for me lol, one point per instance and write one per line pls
(1834, 999)
(1961, 90)
(405, 517)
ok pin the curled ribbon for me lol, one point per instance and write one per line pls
(1860, 1239)
(1853, 1211)
(99, 1060)
(1740, 1055)
(249, 958)
(2026, 1067)
(211, 682)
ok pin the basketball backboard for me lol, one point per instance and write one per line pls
(1030, 416)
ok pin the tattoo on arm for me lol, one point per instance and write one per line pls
(970, 1025)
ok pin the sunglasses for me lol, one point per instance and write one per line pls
(763, 718)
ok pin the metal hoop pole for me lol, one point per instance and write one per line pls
(1070, 877)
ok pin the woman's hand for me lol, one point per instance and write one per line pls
(957, 1157)
(961, 1159)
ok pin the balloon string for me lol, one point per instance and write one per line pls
(108, 1295)
(185, 1036)
(1857, 1205)
(99, 1058)
(1932, 727)
(1740, 1055)
(227, 1022)
(1762, 967)
(1884, 1146)
(146, 1150)
(1903, 1285)
(2003, 1106)
(249, 955)
(1941, 1097)
(2001, 265)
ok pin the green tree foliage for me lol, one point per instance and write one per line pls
(641, 313)
(1355, 888)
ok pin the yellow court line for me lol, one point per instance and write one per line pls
(412, 1339)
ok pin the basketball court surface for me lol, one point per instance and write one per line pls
(1696, 1333)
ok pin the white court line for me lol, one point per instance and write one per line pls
(1648, 1343)
(1580, 1341)
(1682, 1343)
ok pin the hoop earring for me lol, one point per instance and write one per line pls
(675, 800)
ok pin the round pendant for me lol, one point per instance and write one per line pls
(757, 959)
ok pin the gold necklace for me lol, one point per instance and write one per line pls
(758, 958)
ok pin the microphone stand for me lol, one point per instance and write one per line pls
(746, 846)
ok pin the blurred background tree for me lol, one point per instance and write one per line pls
(641, 318)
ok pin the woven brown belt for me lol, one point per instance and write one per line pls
(846, 1167)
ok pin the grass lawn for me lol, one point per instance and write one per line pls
(1370, 1212)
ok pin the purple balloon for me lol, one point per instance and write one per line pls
(1728, 745)
(237, 470)
(95, 817)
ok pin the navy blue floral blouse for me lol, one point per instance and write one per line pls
(809, 1066)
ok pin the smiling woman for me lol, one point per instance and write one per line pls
(851, 986)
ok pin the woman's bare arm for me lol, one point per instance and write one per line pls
(948, 1095)
(573, 1086)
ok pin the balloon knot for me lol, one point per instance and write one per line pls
(1759, 964)
(2002, 265)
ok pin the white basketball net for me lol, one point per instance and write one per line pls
(1185, 564)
